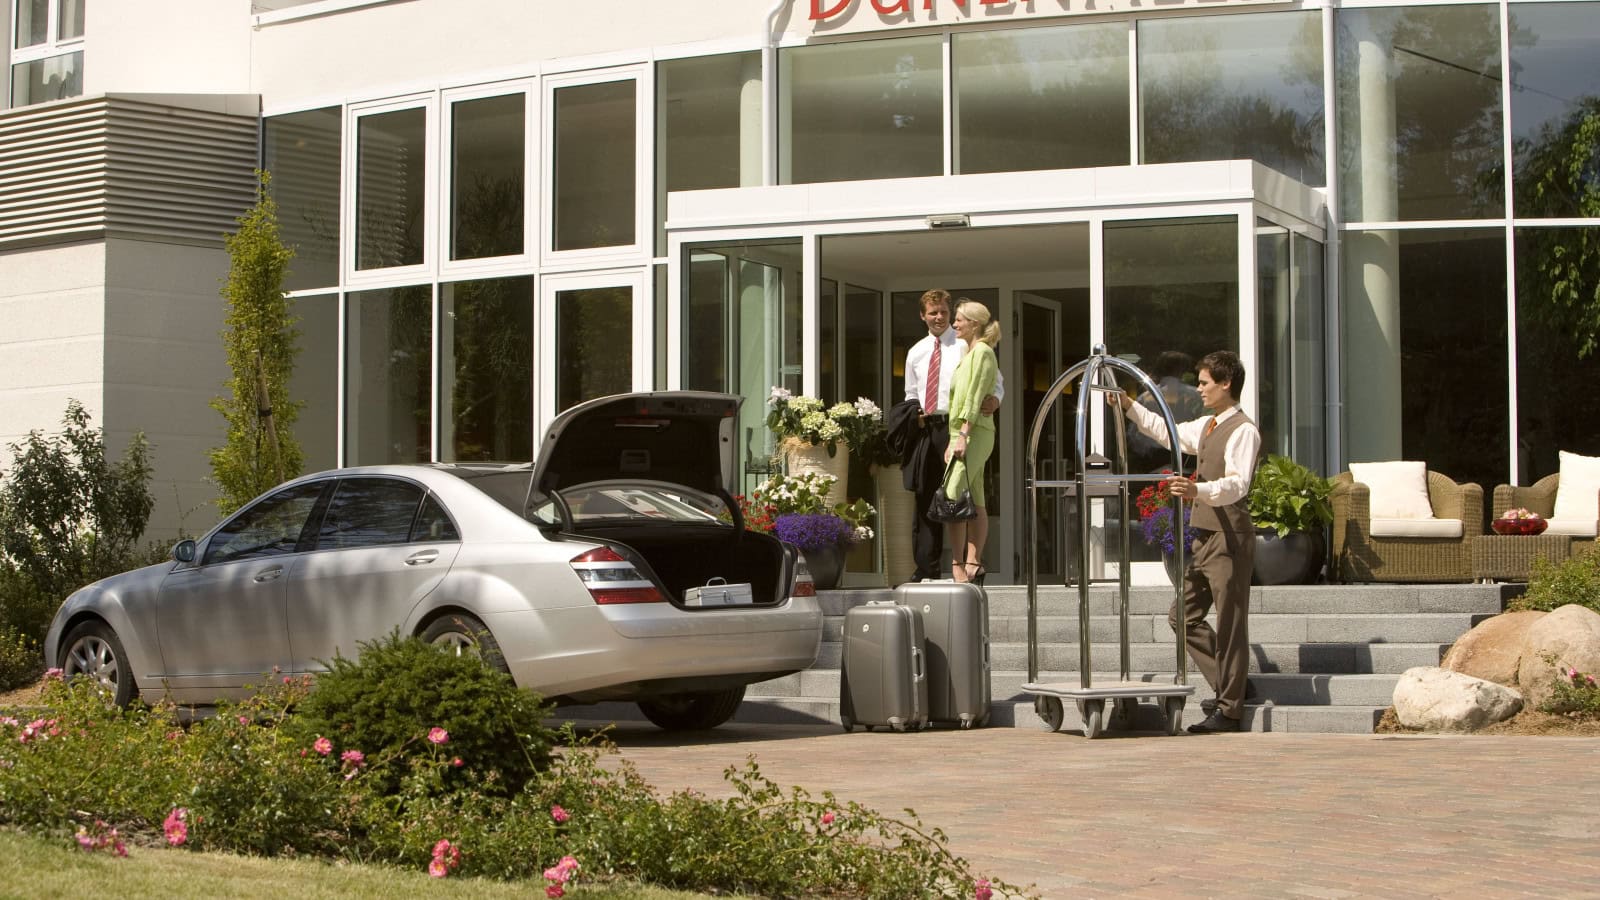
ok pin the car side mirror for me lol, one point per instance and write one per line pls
(184, 551)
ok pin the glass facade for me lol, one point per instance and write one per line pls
(301, 151)
(486, 187)
(391, 194)
(486, 370)
(1555, 109)
(315, 380)
(388, 374)
(51, 78)
(595, 154)
(1557, 350)
(593, 344)
(708, 126)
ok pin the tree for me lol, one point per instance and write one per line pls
(261, 450)
(1559, 176)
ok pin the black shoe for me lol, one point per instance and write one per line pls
(1209, 704)
(1216, 723)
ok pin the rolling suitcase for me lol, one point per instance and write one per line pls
(883, 679)
(955, 623)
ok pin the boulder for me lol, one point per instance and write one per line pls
(1493, 650)
(1436, 699)
(1569, 637)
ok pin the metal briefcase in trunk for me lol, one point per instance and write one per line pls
(883, 680)
(718, 592)
(955, 621)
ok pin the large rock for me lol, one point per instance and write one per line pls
(1436, 699)
(1493, 650)
(1567, 637)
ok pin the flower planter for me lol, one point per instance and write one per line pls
(1295, 558)
(1170, 562)
(897, 509)
(826, 565)
(802, 458)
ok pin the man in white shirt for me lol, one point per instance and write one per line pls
(930, 387)
(1226, 444)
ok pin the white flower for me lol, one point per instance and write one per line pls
(861, 533)
(841, 410)
(778, 395)
(868, 410)
(805, 405)
(829, 430)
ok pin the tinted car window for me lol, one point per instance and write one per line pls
(271, 527)
(433, 523)
(643, 501)
(369, 512)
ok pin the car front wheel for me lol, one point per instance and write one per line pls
(95, 652)
(693, 712)
(464, 635)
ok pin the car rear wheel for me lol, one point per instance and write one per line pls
(94, 652)
(692, 712)
(464, 635)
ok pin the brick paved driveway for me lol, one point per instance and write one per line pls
(1248, 815)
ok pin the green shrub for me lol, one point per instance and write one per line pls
(1286, 496)
(1554, 585)
(1575, 694)
(20, 659)
(397, 689)
(68, 516)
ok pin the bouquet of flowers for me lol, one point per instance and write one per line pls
(784, 497)
(1519, 521)
(802, 419)
(862, 424)
(1155, 519)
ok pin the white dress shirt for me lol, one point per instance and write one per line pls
(1239, 455)
(921, 354)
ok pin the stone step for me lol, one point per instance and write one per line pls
(1280, 688)
(1322, 659)
(1266, 628)
(1327, 599)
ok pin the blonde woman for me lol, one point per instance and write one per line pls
(971, 435)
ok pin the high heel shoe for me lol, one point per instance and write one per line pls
(976, 577)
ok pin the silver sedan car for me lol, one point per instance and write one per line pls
(580, 574)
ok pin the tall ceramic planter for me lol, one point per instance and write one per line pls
(1295, 558)
(896, 512)
(806, 458)
(826, 565)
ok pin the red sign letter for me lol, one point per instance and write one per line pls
(817, 12)
(899, 6)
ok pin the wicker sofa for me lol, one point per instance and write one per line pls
(1539, 497)
(1358, 555)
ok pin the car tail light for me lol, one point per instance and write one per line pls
(803, 585)
(611, 578)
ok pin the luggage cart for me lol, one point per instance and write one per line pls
(1106, 478)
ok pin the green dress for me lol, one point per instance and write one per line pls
(972, 383)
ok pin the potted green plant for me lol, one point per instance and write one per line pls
(1291, 511)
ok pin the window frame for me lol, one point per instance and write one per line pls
(641, 247)
(52, 47)
(427, 270)
(532, 164)
(546, 339)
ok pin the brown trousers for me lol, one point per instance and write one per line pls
(1220, 574)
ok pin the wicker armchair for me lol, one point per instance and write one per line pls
(1540, 497)
(1359, 556)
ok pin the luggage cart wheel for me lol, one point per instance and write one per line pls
(1051, 711)
(1172, 707)
(1094, 712)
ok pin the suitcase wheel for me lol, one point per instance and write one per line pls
(848, 723)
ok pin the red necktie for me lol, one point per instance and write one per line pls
(1210, 427)
(930, 399)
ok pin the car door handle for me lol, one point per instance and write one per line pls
(422, 557)
(269, 574)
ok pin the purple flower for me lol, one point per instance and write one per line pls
(1158, 531)
(813, 531)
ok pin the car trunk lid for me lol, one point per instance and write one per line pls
(680, 437)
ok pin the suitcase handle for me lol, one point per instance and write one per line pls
(716, 579)
(916, 659)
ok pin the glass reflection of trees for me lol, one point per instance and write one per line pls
(489, 327)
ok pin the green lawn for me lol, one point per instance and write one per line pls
(57, 868)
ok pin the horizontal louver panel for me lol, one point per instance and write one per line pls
(126, 166)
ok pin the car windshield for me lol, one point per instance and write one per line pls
(640, 501)
(507, 486)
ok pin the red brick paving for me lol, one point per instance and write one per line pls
(1247, 815)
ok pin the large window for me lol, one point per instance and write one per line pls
(1427, 378)
(487, 370)
(596, 148)
(1234, 87)
(46, 59)
(1555, 108)
(315, 381)
(1557, 353)
(302, 152)
(388, 371)
(865, 109)
(1419, 113)
(487, 148)
(1290, 341)
(594, 344)
(391, 192)
(708, 126)
(1041, 98)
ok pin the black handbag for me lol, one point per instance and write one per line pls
(944, 510)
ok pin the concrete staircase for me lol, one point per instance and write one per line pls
(1324, 658)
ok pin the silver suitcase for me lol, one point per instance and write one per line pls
(883, 679)
(718, 592)
(955, 622)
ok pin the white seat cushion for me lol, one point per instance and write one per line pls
(1416, 528)
(1580, 486)
(1574, 527)
(1399, 489)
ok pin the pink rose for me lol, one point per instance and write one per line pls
(981, 890)
(436, 868)
(457, 762)
(559, 814)
(827, 818)
(322, 745)
(438, 736)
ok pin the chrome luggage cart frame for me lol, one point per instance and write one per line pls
(1108, 478)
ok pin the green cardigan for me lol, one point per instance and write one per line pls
(973, 382)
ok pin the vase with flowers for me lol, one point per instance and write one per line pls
(1156, 518)
(795, 509)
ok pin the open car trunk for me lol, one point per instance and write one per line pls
(685, 556)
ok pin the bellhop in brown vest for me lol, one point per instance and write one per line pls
(1224, 547)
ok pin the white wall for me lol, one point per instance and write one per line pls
(52, 301)
(167, 46)
(164, 361)
(372, 51)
